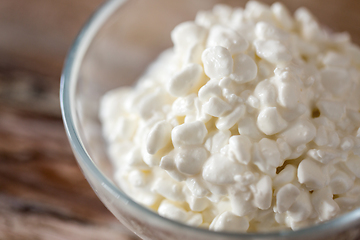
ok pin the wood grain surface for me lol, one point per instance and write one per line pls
(43, 194)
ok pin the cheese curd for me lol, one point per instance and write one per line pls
(250, 123)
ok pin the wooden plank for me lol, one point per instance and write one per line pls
(42, 190)
(43, 194)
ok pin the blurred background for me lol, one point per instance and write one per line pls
(43, 194)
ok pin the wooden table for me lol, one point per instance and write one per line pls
(43, 194)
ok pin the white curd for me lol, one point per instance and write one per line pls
(249, 123)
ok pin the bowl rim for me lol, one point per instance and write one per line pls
(67, 93)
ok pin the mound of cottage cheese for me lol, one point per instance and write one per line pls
(249, 123)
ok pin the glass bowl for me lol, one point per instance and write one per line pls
(113, 50)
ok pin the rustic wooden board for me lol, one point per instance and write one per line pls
(43, 194)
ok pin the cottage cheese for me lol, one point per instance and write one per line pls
(249, 123)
